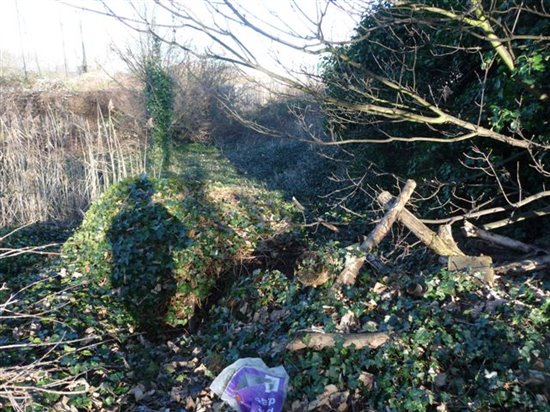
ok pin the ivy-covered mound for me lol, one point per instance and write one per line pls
(162, 244)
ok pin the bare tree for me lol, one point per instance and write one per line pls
(466, 81)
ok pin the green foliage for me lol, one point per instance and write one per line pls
(456, 346)
(162, 245)
(159, 103)
(37, 235)
(449, 347)
(432, 56)
(145, 240)
(70, 325)
(148, 252)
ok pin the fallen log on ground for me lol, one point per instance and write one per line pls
(472, 231)
(442, 243)
(527, 265)
(319, 340)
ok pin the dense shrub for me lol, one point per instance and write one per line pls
(162, 244)
(396, 54)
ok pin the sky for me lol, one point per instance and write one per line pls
(49, 33)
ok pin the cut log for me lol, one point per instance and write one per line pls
(421, 231)
(352, 266)
(475, 265)
(319, 341)
(310, 269)
(384, 226)
(354, 263)
(527, 265)
(472, 231)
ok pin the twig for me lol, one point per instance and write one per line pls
(15, 230)
(517, 218)
(37, 250)
(491, 211)
(34, 345)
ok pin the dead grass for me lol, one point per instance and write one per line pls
(59, 150)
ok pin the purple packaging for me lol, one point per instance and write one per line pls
(248, 385)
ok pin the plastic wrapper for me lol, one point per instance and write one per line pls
(248, 385)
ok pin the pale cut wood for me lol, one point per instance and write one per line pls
(384, 226)
(421, 231)
(354, 264)
(445, 232)
(472, 231)
(476, 265)
(319, 341)
(351, 269)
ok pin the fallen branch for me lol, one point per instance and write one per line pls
(490, 211)
(37, 250)
(527, 265)
(56, 343)
(384, 226)
(472, 231)
(441, 245)
(517, 218)
(319, 341)
(354, 264)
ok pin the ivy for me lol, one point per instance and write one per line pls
(159, 102)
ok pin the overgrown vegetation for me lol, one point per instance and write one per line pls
(60, 150)
(456, 344)
(149, 253)
(444, 104)
(159, 102)
(233, 245)
(453, 349)
(163, 244)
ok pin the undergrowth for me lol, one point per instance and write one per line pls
(163, 243)
(452, 348)
(72, 334)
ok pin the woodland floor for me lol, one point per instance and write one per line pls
(455, 345)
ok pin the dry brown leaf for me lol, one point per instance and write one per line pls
(347, 322)
(367, 379)
(379, 288)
